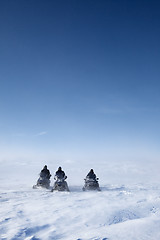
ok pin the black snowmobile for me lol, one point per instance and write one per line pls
(91, 184)
(43, 182)
(60, 184)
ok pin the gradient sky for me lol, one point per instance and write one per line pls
(80, 79)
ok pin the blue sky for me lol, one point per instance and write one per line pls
(80, 78)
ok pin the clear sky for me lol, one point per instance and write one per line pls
(80, 79)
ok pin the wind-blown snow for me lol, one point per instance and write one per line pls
(128, 207)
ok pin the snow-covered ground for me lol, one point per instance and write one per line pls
(128, 207)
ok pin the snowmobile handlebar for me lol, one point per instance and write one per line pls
(87, 178)
(56, 178)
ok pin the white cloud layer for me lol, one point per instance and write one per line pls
(41, 133)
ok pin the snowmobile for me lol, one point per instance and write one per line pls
(42, 182)
(60, 184)
(91, 184)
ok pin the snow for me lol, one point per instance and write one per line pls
(128, 207)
